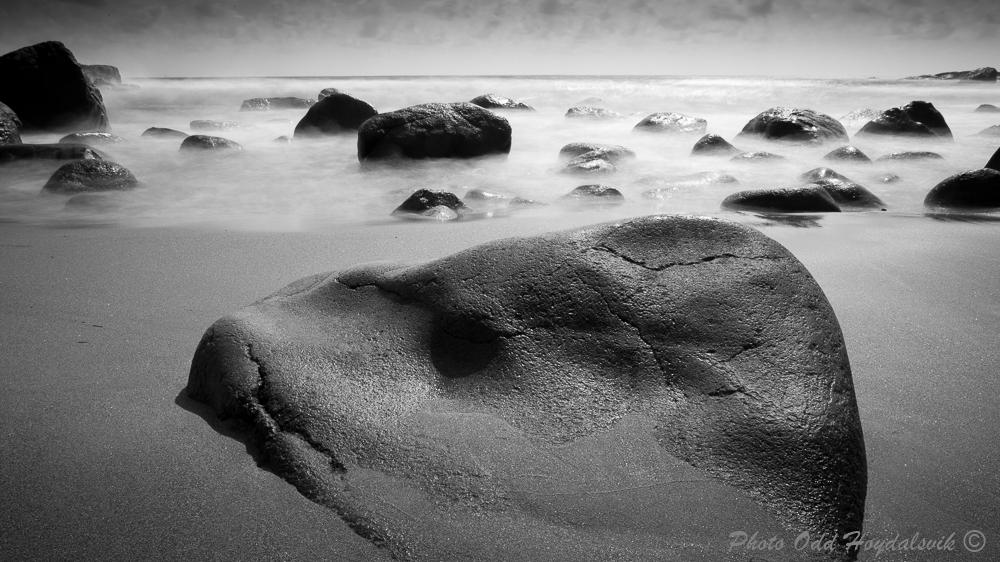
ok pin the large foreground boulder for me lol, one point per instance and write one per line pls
(800, 125)
(627, 390)
(10, 126)
(434, 130)
(87, 176)
(48, 90)
(336, 112)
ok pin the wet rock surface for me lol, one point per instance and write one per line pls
(493, 101)
(594, 114)
(163, 133)
(671, 123)
(444, 389)
(847, 154)
(975, 189)
(915, 119)
(10, 126)
(810, 198)
(434, 130)
(910, 155)
(91, 137)
(713, 145)
(336, 112)
(85, 176)
(208, 142)
(267, 104)
(799, 125)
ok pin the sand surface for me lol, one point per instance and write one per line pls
(104, 460)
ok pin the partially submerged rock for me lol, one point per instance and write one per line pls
(915, 119)
(847, 154)
(439, 205)
(207, 142)
(213, 125)
(46, 87)
(975, 189)
(10, 126)
(14, 152)
(612, 152)
(91, 137)
(599, 160)
(335, 113)
(593, 113)
(911, 155)
(671, 123)
(600, 194)
(697, 349)
(799, 125)
(267, 104)
(810, 198)
(163, 133)
(493, 101)
(850, 196)
(713, 145)
(821, 174)
(86, 176)
(434, 130)
(987, 108)
(756, 156)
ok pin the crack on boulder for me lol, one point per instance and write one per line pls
(705, 259)
(271, 421)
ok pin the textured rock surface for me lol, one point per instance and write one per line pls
(915, 119)
(756, 156)
(164, 133)
(10, 126)
(424, 200)
(212, 125)
(84, 176)
(493, 101)
(860, 116)
(850, 196)
(911, 155)
(671, 123)
(206, 142)
(512, 396)
(713, 145)
(336, 112)
(48, 90)
(847, 154)
(810, 198)
(12, 152)
(91, 137)
(800, 125)
(972, 189)
(434, 130)
(593, 193)
(822, 173)
(267, 104)
(593, 113)
(598, 160)
(612, 152)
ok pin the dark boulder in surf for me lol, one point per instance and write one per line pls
(713, 145)
(85, 176)
(600, 194)
(440, 205)
(10, 126)
(593, 114)
(163, 133)
(434, 130)
(15, 152)
(850, 196)
(267, 104)
(611, 152)
(335, 113)
(493, 101)
(975, 189)
(48, 90)
(698, 349)
(671, 123)
(207, 142)
(821, 174)
(915, 119)
(91, 138)
(994, 161)
(847, 154)
(810, 198)
(798, 125)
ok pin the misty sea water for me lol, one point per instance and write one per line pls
(274, 185)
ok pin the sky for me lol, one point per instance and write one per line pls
(810, 38)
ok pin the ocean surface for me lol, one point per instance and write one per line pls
(309, 183)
